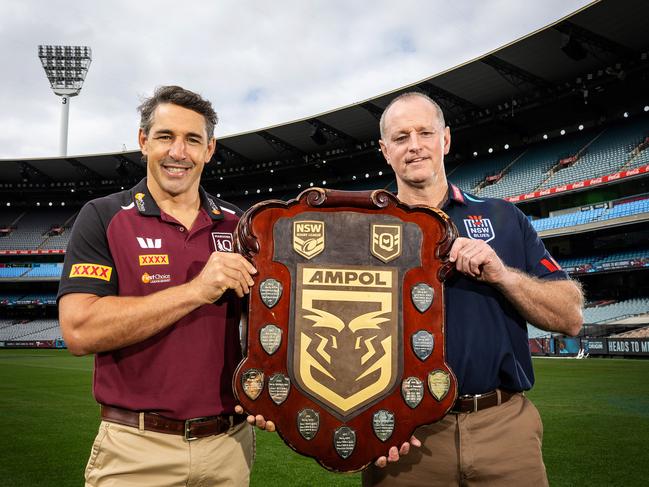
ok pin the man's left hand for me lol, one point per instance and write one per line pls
(394, 454)
(477, 259)
(258, 420)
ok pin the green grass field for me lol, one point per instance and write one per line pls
(595, 412)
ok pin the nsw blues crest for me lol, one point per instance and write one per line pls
(479, 228)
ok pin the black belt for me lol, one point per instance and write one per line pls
(189, 428)
(471, 403)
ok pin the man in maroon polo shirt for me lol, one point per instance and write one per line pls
(151, 286)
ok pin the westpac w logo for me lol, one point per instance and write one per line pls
(345, 319)
(149, 243)
(479, 228)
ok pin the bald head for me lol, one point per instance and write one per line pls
(408, 96)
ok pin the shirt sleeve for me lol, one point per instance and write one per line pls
(88, 266)
(539, 261)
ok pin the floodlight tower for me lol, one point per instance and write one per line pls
(66, 68)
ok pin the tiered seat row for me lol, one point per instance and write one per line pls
(30, 271)
(595, 153)
(595, 263)
(16, 299)
(31, 330)
(616, 311)
(31, 230)
(589, 216)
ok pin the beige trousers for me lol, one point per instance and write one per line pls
(126, 456)
(498, 446)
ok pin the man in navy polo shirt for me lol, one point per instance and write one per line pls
(151, 286)
(505, 277)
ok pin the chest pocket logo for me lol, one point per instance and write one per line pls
(222, 241)
(479, 228)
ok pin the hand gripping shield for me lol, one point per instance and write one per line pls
(344, 346)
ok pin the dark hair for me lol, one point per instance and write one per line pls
(181, 97)
(407, 95)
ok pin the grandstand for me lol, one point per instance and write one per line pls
(565, 139)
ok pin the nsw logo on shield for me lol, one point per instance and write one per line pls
(479, 228)
(386, 242)
(308, 237)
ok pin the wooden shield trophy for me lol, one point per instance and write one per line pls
(345, 343)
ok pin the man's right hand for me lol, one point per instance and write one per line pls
(223, 271)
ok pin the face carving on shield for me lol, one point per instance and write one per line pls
(345, 336)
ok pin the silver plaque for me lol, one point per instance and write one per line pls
(278, 387)
(412, 390)
(252, 381)
(270, 337)
(344, 441)
(422, 296)
(439, 383)
(270, 291)
(383, 424)
(308, 423)
(422, 344)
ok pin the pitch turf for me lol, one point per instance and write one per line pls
(595, 412)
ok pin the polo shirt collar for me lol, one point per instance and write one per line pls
(454, 196)
(147, 206)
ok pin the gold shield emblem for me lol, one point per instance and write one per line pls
(346, 335)
(308, 237)
(386, 242)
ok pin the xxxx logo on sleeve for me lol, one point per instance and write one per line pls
(93, 271)
(346, 318)
(153, 259)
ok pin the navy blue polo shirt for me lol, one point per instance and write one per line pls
(486, 338)
(125, 245)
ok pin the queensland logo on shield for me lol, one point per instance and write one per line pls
(386, 242)
(346, 335)
(479, 228)
(308, 237)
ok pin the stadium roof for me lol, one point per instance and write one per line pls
(581, 69)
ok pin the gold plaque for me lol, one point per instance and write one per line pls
(439, 382)
(346, 320)
(308, 237)
(386, 242)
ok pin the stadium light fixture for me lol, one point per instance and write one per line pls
(625, 114)
(506, 146)
(581, 127)
(66, 68)
(646, 108)
(545, 136)
(563, 132)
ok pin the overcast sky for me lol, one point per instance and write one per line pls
(261, 63)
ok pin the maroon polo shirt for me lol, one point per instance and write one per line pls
(124, 245)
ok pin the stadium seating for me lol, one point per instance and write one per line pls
(638, 333)
(616, 311)
(595, 263)
(32, 228)
(601, 152)
(15, 299)
(605, 155)
(31, 330)
(588, 216)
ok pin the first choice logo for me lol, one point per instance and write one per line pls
(155, 278)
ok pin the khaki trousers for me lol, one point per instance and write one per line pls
(498, 446)
(126, 456)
